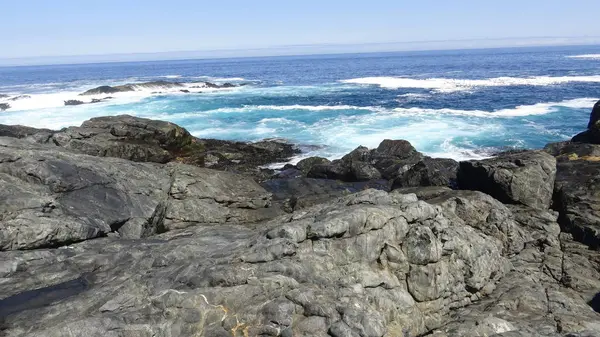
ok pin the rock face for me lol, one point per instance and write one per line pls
(128, 137)
(4, 106)
(524, 178)
(52, 197)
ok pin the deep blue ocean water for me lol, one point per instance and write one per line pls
(459, 104)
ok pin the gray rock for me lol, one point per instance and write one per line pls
(525, 178)
(306, 164)
(4, 106)
(369, 264)
(52, 197)
(428, 172)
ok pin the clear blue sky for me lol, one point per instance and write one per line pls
(34, 28)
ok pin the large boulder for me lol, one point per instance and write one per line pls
(592, 134)
(577, 198)
(429, 172)
(523, 178)
(51, 197)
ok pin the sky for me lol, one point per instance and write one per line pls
(38, 29)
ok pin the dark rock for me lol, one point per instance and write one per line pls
(594, 116)
(52, 197)
(370, 264)
(577, 198)
(246, 158)
(526, 178)
(20, 97)
(132, 138)
(337, 170)
(306, 164)
(299, 193)
(4, 106)
(565, 151)
(20, 131)
(4, 96)
(289, 173)
(424, 193)
(396, 148)
(105, 89)
(592, 134)
(429, 172)
(185, 91)
(73, 102)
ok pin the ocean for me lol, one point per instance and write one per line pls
(457, 104)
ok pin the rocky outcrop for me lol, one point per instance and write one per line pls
(246, 158)
(293, 194)
(525, 178)
(4, 106)
(73, 102)
(52, 197)
(145, 140)
(371, 264)
(143, 248)
(592, 134)
(132, 138)
(395, 160)
(155, 85)
(18, 98)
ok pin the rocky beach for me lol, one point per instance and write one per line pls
(127, 226)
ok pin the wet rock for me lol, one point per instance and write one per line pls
(20, 97)
(524, 178)
(429, 172)
(4, 106)
(306, 164)
(73, 102)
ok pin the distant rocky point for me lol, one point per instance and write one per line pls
(106, 89)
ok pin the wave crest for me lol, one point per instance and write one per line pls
(448, 85)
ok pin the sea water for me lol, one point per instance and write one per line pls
(457, 104)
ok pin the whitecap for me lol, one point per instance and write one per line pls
(585, 56)
(448, 85)
(518, 111)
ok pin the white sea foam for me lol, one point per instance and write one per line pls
(519, 111)
(585, 56)
(57, 99)
(447, 85)
(171, 76)
(253, 108)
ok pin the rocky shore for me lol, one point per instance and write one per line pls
(126, 226)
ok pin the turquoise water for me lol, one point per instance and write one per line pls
(459, 104)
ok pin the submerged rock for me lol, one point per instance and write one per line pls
(20, 97)
(73, 102)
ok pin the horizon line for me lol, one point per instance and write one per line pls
(109, 58)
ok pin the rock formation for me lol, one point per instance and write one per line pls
(118, 228)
